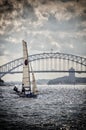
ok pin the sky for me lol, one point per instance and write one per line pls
(44, 24)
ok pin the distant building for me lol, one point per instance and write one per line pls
(72, 75)
(72, 72)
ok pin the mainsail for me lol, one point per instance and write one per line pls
(27, 87)
(26, 69)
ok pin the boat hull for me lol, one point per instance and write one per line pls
(28, 95)
(31, 95)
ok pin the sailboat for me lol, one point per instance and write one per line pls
(29, 88)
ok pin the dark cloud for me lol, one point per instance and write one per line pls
(28, 12)
(66, 0)
(43, 1)
(6, 6)
(46, 24)
(15, 9)
(84, 11)
(71, 9)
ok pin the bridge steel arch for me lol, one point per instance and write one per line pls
(8, 67)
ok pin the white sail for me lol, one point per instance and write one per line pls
(26, 70)
(34, 86)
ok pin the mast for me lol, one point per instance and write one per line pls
(26, 69)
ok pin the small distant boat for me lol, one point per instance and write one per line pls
(29, 88)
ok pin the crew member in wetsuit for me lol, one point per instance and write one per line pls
(15, 89)
(23, 89)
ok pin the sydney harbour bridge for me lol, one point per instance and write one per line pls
(52, 62)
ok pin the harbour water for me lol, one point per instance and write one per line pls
(59, 107)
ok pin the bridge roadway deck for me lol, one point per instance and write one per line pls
(46, 71)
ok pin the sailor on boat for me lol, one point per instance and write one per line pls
(15, 89)
(23, 90)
